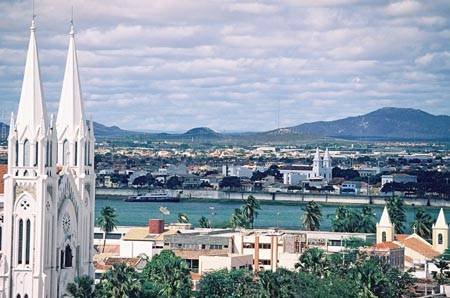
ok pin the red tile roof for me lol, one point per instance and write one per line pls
(420, 246)
(386, 245)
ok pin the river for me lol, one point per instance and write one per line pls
(272, 214)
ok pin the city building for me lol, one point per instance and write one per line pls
(49, 188)
(321, 170)
(398, 178)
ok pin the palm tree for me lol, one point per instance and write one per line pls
(82, 287)
(396, 212)
(183, 218)
(367, 223)
(314, 261)
(238, 219)
(120, 281)
(251, 205)
(422, 224)
(203, 222)
(312, 216)
(107, 222)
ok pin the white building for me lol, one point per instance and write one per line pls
(398, 178)
(321, 169)
(49, 192)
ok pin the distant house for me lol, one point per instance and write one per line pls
(398, 178)
(353, 187)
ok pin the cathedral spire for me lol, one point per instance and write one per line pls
(32, 111)
(71, 107)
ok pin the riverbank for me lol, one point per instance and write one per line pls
(293, 198)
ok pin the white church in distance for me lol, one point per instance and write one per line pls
(47, 220)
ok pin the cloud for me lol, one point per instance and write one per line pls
(173, 65)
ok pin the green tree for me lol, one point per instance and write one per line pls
(82, 287)
(224, 283)
(107, 222)
(396, 210)
(119, 281)
(203, 222)
(167, 275)
(422, 223)
(314, 261)
(368, 221)
(183, 218)
(250, 209)
(441, 276)
(238, 219)
(312, 216)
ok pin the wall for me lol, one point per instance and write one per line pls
(292, 197)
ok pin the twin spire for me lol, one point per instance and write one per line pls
(32, 113)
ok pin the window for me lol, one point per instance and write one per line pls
(26, 153)
(440, 239)
(68, 256)
(17, 153)
(249, 245)
(18, 296)
(98, 235)
(76, 154)
(61, 259)
(36, 154)
(264, 245)
(1, 235)
(334, 242)
(264, 262)
(51, 155)
(28, 243)
(20, 242)
(383, 237)
(26, 296)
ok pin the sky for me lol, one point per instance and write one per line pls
(166, 65)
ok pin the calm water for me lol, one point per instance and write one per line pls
(285, 215)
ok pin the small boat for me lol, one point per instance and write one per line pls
(155, 196)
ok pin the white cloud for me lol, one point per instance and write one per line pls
(173, 65)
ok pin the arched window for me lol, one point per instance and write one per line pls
(26, 153)
(18, 296)
(50, 157)
(20, 243)
(440, 239)
(28, 242)
(36, 154)
(76, 154)
(68, 256)
(65, 153)
(17, 153)
(61, 260)
(1, 236)
(26, 296)
(383, 237)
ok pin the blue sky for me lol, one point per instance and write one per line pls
(229, 65)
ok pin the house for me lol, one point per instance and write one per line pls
(398, 178)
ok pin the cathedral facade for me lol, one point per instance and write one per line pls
(49, 189)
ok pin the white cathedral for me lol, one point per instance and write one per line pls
(49, 196)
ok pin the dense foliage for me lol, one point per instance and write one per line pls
(107, 221)
(317, 274)
(312, 216)
(245, 216)
(353, 220)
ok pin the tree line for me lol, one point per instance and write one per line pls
(317, 274)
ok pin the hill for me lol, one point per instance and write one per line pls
(385, 123)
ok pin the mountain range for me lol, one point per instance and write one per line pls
(385, 123)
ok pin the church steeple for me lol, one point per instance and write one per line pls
(71, 120)
(385, 227)
(71, 107)
(32, 113)
(440, 233)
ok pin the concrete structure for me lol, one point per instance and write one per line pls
(229, 261)
(49, 191)
(398, 178)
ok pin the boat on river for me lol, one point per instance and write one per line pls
(154, 196)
